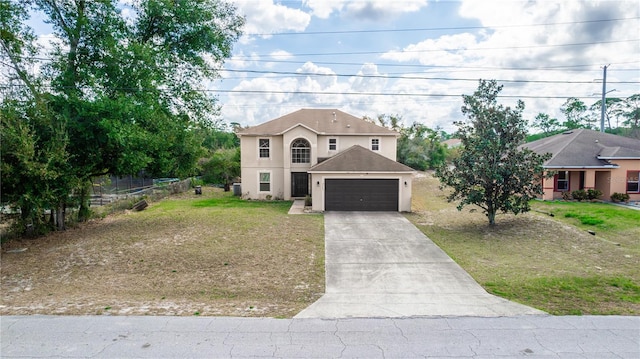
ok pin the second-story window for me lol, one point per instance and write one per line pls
(300, 151)
(375, 144)
(264, 147)
(333, 144)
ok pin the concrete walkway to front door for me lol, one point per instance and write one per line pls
(378, 264)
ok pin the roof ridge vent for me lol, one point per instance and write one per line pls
(567, 132)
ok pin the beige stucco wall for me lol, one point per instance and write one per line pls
(280, 166)
(252, 165)
(404, 198)
(388, 144)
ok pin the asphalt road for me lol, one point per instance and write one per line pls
(222, 337)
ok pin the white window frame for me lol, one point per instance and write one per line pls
(379, 144)
(261, 148)
(302, 155)
(260, 181)
(334, 144)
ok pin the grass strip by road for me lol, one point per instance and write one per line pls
(548, 262)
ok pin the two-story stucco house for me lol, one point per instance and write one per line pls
(343, 162)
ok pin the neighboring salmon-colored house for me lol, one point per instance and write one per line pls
(587, 159)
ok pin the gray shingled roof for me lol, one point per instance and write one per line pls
(321, 121)
(359, 159)
(585, 148)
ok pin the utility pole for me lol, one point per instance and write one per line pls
(603, 106)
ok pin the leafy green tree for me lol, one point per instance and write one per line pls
(629, 110)
(546, 123)
(122, 96)
(612, 104)
(223, 167)
(216, 138)
(420, 147)
(574, 111)
(492, 171)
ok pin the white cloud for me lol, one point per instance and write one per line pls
(526, 59)
(242, 61)
(324, 8)
(265, 17)
(326, 79)
(280, 55)
(382, 9)
(364, 10)
(443, 51)
(375, 82)
(510, 42)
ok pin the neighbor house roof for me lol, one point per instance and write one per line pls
(321, 121)
(584, 148)
(359, 159)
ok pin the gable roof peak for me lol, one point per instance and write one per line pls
(359, 159)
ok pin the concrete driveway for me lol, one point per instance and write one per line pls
(378, 264)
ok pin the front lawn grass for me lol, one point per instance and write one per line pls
(213, 254)
(548, 262)
(610, 222)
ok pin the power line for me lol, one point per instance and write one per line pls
(440, 28)
(579, 67)
(297, 92)
(293, 73)
(377, 94)
(248, 57)
(543, 68)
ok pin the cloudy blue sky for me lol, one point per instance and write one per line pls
(415, 58)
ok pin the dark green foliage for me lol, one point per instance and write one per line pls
(223, 167)
(121, 96)
(546, 123)
(593, 194)
(620, 197)
(574, 111)
(579, 195)
(216, 138)
(624, 111)
(492, 171)
(419, 146)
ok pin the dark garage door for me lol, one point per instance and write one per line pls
(361, 195)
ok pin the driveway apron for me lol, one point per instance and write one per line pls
(378, 264)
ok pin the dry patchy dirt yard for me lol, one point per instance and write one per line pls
(185, 255)
(217, 255)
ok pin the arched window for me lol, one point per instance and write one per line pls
(300, 151)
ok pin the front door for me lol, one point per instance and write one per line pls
(299, 184)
